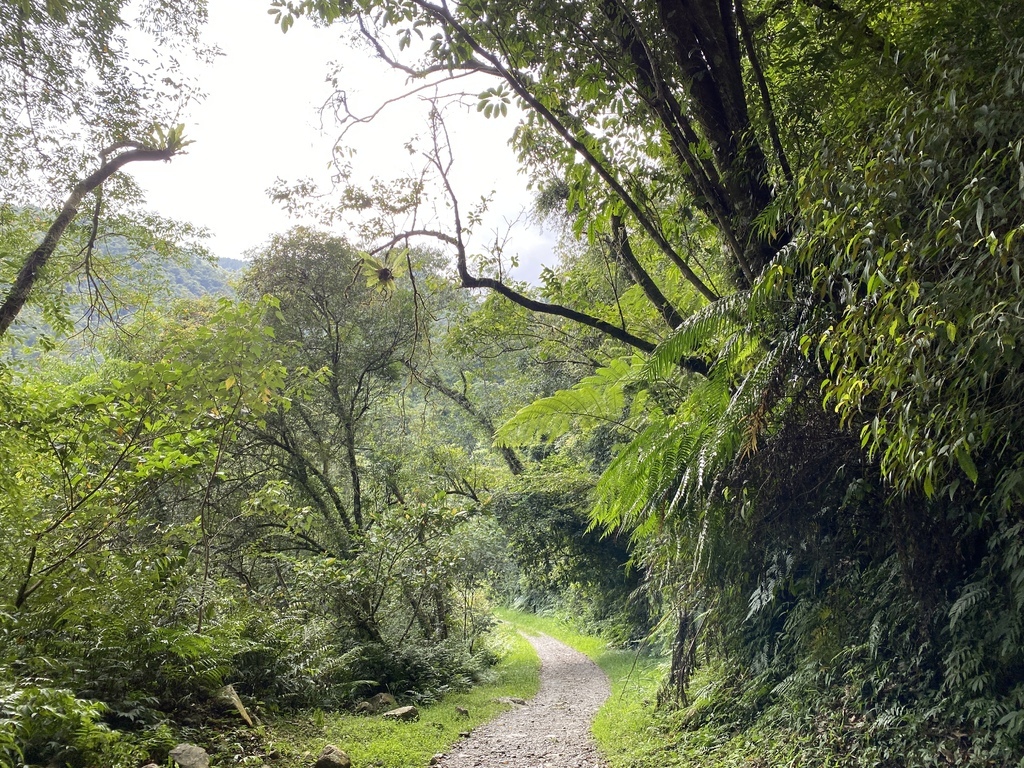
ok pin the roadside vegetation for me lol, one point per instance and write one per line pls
(371, 741)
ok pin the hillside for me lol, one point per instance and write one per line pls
(203, 278)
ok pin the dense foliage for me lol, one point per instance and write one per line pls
(807, 215)
(761, 411)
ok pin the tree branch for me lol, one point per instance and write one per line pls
(19, 292)
(472, 65)
(443, 15)
(622, 248)
(515, 464)
(762, 86)
(656, 93)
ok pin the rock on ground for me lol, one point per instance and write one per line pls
(553, 729)
(190, 756)
(402, 713)
(332, 757)
(380, 701)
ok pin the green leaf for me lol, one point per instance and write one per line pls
(597, 399)
(963, 457)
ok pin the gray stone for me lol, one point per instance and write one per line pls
(190, 756)
(402, 713)
(332, 757)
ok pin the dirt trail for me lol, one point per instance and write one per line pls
(552, 730)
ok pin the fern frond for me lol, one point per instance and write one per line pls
(646, 474)
(695, 333)
(734, 354)
(629, 484)
(597, 399)
(729, 431)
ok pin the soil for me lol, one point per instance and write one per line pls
(552, 730)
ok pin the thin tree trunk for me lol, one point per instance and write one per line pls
(357, 495)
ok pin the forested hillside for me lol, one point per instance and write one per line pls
(197, 277)
(761, 412)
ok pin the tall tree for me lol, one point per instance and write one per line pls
(354, 339)
(72, 90)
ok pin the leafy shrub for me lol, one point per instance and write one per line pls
(132, 646)
(418, 670)
(40, 725)
(291, 661)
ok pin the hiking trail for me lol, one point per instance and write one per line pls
(552, 730)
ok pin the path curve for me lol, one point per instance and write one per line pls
(552, 730)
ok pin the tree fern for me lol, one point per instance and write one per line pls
(597, 399)
(697, 333)
(674, 467)
(646, 473)
(627, 489)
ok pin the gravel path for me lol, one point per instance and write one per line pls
(552, 730)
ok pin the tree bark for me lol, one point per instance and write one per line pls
(353, 468)
(706, 47)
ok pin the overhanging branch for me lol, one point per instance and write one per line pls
(468, 280)
(444, 15)
(18, 295)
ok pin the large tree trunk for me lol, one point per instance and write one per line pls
(706, 47)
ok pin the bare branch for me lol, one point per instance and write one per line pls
(392, 242)
(470, 66)
(574, 140)
(468, 280)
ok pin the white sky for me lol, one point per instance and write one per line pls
(260, 121)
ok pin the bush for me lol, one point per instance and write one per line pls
(291, 662)
(423, 671)
(40, 725)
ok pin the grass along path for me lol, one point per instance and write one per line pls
(622, 726)
(372, 742)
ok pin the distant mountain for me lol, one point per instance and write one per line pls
(232, 265)
(199, 277)
(149, 279)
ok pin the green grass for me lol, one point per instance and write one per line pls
(372, 742)
(622, 726)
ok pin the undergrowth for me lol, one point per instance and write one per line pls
(372, 742)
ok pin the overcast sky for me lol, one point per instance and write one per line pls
(260, 122)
